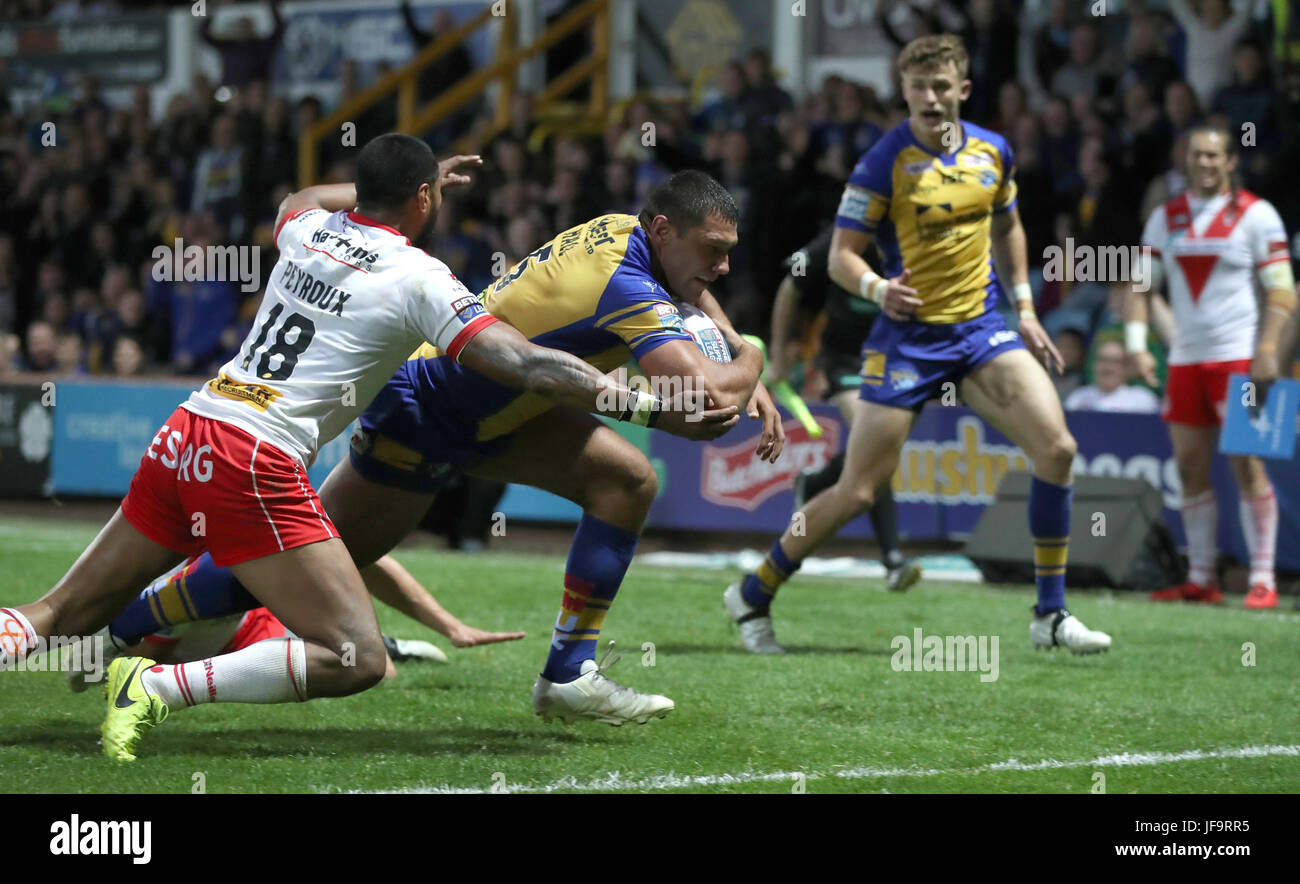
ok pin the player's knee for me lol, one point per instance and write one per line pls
(363, 666)
(647, 485)
(856, 496)
(638, 484)
(1061, 450)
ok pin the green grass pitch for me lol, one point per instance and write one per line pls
(1172, 707)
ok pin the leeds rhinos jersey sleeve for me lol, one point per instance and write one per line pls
(589, 292)
(345, 304)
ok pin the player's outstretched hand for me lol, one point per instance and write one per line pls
(447, 170)
(1040, 344)
(772, 441)
(1143, 367)
(468, 637)
(900, 301)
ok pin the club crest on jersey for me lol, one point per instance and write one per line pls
(468, 308)
(668, 316)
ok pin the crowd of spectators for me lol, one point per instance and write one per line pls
(1095, 108)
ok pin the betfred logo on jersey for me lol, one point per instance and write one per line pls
(735, 476)
(468, 308)
(668, 316)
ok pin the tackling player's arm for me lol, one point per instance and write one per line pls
(501, 353)
(330, 197)
(1010, 248)
(337, 197)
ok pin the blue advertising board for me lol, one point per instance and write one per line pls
(949, 469)
(101, 431)
(948, 472)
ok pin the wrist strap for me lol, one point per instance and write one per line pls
(642, 409)
(1024, 296)
(872, 287)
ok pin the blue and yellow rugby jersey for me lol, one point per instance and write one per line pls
(590, 292)
(932, 214)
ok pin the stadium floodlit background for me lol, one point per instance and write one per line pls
(129, 126)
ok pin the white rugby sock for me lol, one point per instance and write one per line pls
(16, 636)
(1200, 522)
(1259, 524)
(273, 670)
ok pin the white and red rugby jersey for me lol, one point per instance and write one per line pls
(346, 303)
(1211, 249)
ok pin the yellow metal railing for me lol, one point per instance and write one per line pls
(503, 70)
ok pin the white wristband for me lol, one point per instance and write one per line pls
(643, 409)
(872, 287)
(1135, 337)
(1024, 293)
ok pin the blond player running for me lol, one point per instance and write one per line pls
(938, 195)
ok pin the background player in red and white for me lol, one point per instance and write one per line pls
(1214, 245)
(347, 302)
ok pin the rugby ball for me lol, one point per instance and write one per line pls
(704, 331)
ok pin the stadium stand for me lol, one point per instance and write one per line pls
(122, 179)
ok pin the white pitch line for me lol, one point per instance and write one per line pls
(614, 782)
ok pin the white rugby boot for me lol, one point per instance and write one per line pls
(1061, 629)
(755, 624)
(594, 697)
